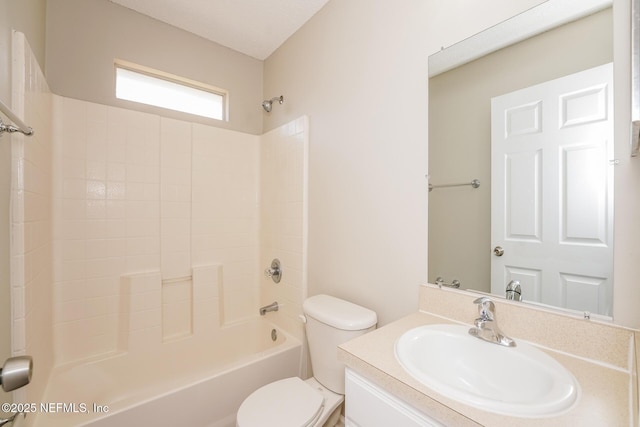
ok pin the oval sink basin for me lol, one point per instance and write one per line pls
(520, 381)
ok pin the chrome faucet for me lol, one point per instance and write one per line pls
(514, 291)
(271, 307)
(486, 327)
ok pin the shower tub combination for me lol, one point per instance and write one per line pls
(185, 382)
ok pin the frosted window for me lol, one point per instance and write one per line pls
(150, 90)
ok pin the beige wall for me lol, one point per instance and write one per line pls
(459, 218)
(358, 69)
(28, 17)
(85, 36)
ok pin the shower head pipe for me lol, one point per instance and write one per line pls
(268, 104)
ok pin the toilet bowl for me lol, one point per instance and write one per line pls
(317, 401)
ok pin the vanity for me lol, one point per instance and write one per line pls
(601, 356)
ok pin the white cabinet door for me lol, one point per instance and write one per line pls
(552, 191)
(367, 405)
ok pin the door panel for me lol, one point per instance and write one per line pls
(552, 191)
(530, 280)
(523, 196)
(583, 191)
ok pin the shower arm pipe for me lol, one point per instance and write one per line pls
(22, 127)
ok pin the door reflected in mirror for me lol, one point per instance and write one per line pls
(461, 245)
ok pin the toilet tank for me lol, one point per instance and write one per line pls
(330, 322)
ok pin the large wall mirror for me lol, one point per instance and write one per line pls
(543, 213)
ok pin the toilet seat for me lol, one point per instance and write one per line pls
(285, 403)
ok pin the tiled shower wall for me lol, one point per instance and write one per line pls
(283, 219)
(225, 168)
(136, 193)
(31, 219)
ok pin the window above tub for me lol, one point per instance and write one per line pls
(152, 87)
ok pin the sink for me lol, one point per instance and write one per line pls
(519, 381)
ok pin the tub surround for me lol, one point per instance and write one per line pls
(601, 356)
(156, 377)
(158, 230)
(30, 218)
(164, 384)
(284, 197)
(137, 193)
(149, 309)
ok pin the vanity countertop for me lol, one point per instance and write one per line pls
(607, 390)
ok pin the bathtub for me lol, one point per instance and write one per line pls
(184, 383)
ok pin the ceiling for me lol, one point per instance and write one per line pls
(253, 27)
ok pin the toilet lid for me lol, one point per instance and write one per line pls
(286, 403)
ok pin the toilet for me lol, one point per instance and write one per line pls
(315, 402)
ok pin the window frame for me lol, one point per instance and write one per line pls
(172, 78)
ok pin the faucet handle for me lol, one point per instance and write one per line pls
(275, 271)
(486, 308)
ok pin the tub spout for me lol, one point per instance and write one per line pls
(267, 308)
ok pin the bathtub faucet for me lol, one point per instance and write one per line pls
(270, 307)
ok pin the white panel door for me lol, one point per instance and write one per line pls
(552, 191)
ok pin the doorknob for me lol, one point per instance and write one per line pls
(498, 251)
(16, 372)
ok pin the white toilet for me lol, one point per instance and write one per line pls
(315, 402)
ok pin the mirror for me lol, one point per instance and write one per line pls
(555, 39)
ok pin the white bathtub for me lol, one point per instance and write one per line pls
(183, 384)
